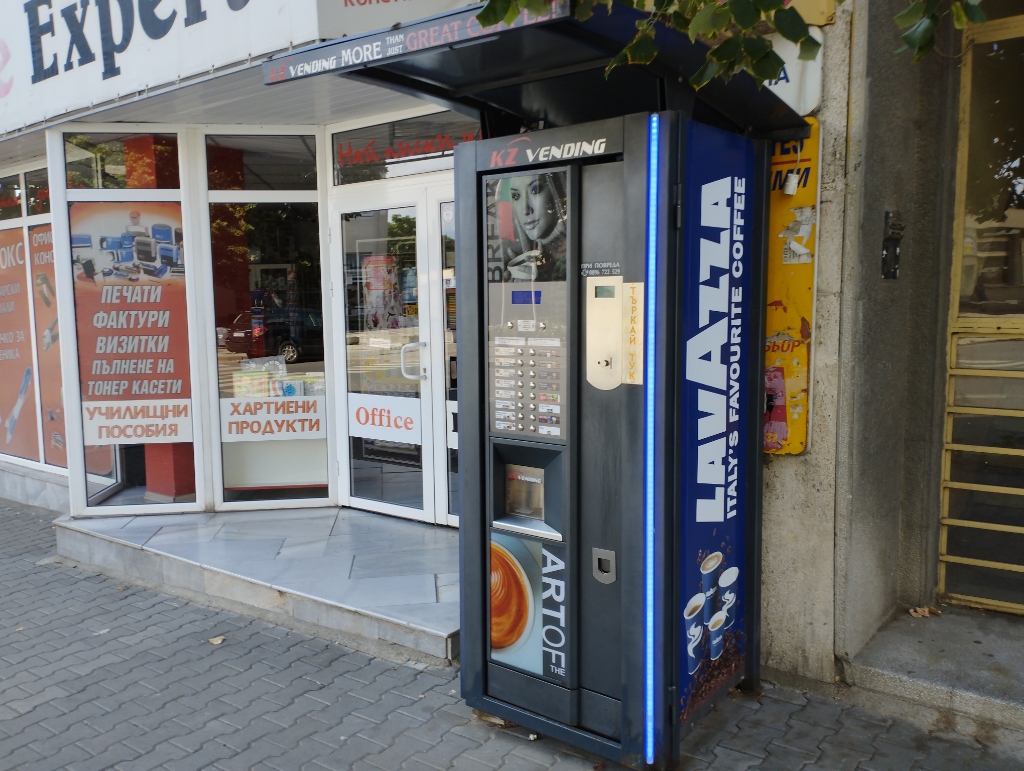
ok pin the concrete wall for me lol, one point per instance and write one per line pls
(902, 152)
(799, 504)
(851, 526)
(33, 487)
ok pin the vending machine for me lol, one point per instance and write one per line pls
(610, 317)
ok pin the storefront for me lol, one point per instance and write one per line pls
(257, 302)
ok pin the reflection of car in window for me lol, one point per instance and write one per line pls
(296, 335)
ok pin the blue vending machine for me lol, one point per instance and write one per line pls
(611, 281)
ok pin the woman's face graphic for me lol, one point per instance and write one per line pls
(534, 207)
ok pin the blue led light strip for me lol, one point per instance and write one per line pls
(649, 371)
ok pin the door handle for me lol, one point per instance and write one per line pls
(401, 359)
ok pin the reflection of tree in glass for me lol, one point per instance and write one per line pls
(245, 235)
(402, 235)
(995, 177)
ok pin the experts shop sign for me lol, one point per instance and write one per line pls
(59, 56)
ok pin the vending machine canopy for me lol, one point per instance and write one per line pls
(544, 71)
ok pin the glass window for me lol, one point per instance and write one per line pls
(261, 162)
(400, 148)
(133, 351)
(10, 197)
(37, 191)
(382, 335)
(1001, 393)
(43, 281)
(18, 431)
(268, 307)
(1005, 353)
(121, 161)
(992, 278)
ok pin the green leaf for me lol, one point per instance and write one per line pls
(901, 50)
(809, 48)
(642, 49)
(921, 33)
(911, 15)
(584, 9)
(680, 21)
(494, 12)
(924, 50)
(704, 22)
(727, 51)
(767, 67)
(767, 6)
(790, 24)
(974, 13)
(706, 73)
(513, 13)
(745, 13)
(536, 7)
(617, 61)
(959, 17)
(756, 46)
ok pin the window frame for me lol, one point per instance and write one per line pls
(992, 327)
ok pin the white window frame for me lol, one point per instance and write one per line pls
(60, 196)
(24, 222)
(198, 136)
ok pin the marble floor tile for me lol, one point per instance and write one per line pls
(182, 534)
(219, 553)
(371, 592)
(442, 617)
(444, 579)
(359, 543)
(406, 563)
(319, 527)
(302, 548)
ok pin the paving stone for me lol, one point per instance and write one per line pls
(730, 760)
(856, 733)
(820, 711)
(701, 741)
(751, 739)
(444, 752)
(836, 757)
(889, 757)
(392, 758)
(152, 695)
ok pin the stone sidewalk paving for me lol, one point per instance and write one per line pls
(95, 674)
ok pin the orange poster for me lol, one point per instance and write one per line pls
(18, 427)
(130, 308)
(792, 252)
(51, 394)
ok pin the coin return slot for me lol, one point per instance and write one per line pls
(604, 565)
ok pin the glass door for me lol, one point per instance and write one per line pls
(387, 242)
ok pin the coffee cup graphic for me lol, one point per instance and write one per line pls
(511, 600)
(728, 583)
(716, 633)
(692, 618)
(709, 570)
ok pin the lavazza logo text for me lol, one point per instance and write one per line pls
(718, 370)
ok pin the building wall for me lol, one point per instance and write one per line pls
(799, 492)
(902, 155)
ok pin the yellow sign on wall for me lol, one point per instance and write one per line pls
(792, 248)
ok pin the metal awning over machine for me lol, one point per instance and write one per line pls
(542, 71)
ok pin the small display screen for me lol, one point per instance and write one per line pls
(524, 491)
(604, 292)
